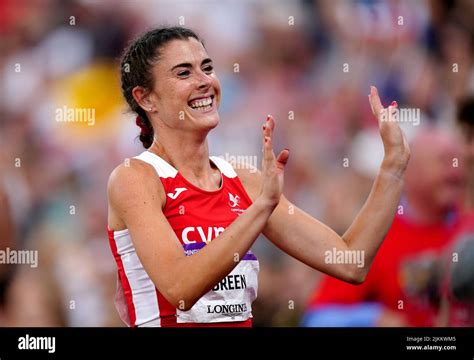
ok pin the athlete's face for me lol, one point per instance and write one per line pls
(186, 89)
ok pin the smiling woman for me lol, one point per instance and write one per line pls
(183, 60)
(181, 222)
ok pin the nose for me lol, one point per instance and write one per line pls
(205, 80)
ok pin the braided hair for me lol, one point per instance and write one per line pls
(136, 65)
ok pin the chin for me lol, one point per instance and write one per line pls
(211, 121)
(208, 121)
(203, 111)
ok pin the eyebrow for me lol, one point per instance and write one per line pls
(189, 65)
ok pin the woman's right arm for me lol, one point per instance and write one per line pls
(136, 197)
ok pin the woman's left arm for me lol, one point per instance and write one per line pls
(347, 257)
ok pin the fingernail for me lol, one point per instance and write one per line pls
(268, 117)
(263, 126)
(394, 103)
(287, 149)
(266, 139)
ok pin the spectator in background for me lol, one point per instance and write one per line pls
(6, 241)
(458, 264)
(465, 119)
(402, 288)
(294, 71)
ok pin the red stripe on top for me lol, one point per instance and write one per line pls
(167, 311)
(123, 278)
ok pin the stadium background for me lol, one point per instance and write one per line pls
(309, 63)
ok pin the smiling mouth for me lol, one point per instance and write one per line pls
(202, 104)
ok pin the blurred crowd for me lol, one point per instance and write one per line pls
(310, 65)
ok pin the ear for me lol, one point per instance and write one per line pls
(143, 98)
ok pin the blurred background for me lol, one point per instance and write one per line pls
(308, 63)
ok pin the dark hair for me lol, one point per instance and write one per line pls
(136, 63)
(465, 117)
(465, 112)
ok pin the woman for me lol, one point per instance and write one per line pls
(174, 197)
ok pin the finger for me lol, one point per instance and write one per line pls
(264, 134)
(393, 108)
(389, 112)
(282, 158)
(375, 102)
(268, 155)
(269, 126)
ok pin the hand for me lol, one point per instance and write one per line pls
(397, 151)
(272, 167)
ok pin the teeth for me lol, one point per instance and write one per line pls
(202, 104)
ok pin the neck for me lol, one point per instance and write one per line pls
(189, 154)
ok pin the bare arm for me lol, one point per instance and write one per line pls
(309, 240)
(136, 197)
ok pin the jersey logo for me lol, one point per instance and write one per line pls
(177, 191)
(233, 200)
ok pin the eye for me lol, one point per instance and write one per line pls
(183, 73)
(208, 69)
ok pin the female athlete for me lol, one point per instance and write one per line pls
(181, 223)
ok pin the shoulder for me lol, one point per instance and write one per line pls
(133, 179)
